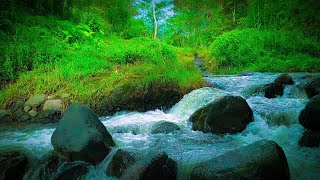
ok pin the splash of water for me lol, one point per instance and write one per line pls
(274, 119)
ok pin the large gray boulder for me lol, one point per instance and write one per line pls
(228, 114)
(310, 115)
(260, 160)
(312, 88)
(80, 135)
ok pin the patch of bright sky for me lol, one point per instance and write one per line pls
(145, 7)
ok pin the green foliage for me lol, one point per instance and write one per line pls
(140, 50)
(117, 13)
(137, 63)
(30, 46)
(279, 50)
(38, 41)
(287, 14)
(135, 28)
(61, 8)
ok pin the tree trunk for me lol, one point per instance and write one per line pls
(234, 13)
(154, 21)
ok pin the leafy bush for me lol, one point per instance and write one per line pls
(141, 50)
(243, 48)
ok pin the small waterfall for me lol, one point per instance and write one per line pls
(195, 100)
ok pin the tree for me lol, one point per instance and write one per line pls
(155, 14)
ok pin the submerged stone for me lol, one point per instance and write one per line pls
(46, 167)
(73, 170)
(164, 127)
(228, 114)
(246, 73)
(80, 135)
(260, 160)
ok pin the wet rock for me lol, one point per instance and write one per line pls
(48, 116)
(5, 115)
(228, 114)
(36, 100)
(17, 105)
(127, 98)
(13, 164)
(33, 113)
(260, 160)
(24, 118)
(74, 170)
(55, 105)
(272, 90)
(164, 127)
(46, 167)
(199, 63)
(27, 108)
(284, 79)
(310, 139)
(18, 113)
(161, 167)
(310, 115)
(80, 135)
(246, 73)
(158, 168)
(312, 88)
(120, 163)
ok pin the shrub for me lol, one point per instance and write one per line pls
(243, 48)
(141, 50)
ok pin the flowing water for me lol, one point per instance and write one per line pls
(274, 119)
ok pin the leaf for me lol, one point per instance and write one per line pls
(65, 32)
(87, 34)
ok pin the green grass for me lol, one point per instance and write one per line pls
(71, 58)
(265, 51)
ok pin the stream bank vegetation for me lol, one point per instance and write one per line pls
(96, 49)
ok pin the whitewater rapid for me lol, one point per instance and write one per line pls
(274, 119)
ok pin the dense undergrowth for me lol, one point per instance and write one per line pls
(266, 51)
(89, 49)
(55, 57)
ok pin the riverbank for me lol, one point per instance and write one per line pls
(275, 119)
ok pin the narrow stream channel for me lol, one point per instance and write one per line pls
(274, 119)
